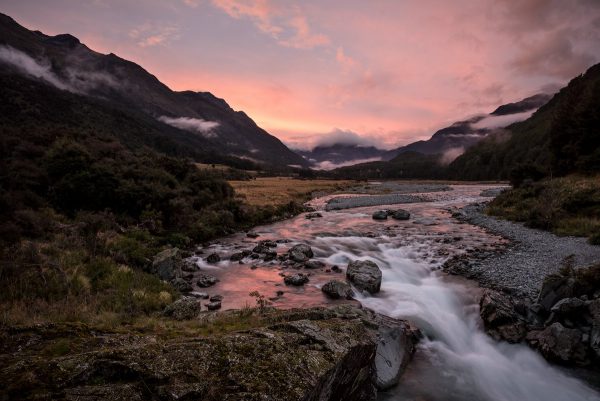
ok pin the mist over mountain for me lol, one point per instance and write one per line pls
(65, 63)
(450, 142)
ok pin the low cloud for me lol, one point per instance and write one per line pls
(327, 165)
(30, 66)
(344, 137)
(451, 154)
(203, 127)
(491, 122)
(152, 34)
(72, 80)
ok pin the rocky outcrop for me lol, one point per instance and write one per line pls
(296, 279)
(365, 275)
(167, 264)
(313, 354)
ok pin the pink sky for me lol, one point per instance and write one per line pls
(390, 72)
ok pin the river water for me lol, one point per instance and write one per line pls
(456, 361)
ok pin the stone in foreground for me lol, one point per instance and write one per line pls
(401, 214)
(365, 275)
(318, 354)
(380, 215)
(296, 279)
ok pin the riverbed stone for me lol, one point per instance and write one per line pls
(380, 215)
(298, 279)
(236, 257)
(213, 258)
(300, 253)
(214, 305)
(401, 214)
(206, 280)
(395, 347)
(337, 290)
(314, 264)
(185, 308)
(365, 275)
(182, 285)
(313, 215)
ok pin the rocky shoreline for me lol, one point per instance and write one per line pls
(542, 290)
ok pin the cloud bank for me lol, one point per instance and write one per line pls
(327, 165)
(491, 122)
(203, 127)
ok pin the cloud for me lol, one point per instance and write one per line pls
(287, 25)
(327, 165)
(344, 137)
(37, 68)
(72, 79)
(152, 34)
(205, 128)
(451, 154)
(345, 61)
(490, 122)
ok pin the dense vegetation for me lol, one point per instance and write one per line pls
(88, 194)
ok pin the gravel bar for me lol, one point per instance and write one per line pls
(534, 254)
(349, 202)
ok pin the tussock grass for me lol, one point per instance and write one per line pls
(566, 206)
(276, 191)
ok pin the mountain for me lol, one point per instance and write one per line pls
(67, 64)
(560, 138)
(464, 134)
(326, 157)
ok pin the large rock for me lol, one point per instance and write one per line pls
(500, 317)
(365, 275)
(184, 308)
(594, 310)
(337, 290)
(313, 354)
(395, 347)
(560, 344)
(167, 264)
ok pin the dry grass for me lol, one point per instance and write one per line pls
(277, 191)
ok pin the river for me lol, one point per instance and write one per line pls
(456, 360)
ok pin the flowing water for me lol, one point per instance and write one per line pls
(456, 360)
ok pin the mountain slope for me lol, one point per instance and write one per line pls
(562, 137)
(464, 134)
(69, 65)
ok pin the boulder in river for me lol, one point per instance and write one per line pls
(380, 215)
(213, 258)
(184, 308)
(205, 280)
(313, 215)
(296, 279)
(214, 305)
(167, 264)
(300, 253)
(395, 346)
(365, 275)
(337, 290)
(182, 285)
(401, 214)
(235, 257)
(555, 288)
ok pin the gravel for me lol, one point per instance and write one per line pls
(349, 202)
(533, 255)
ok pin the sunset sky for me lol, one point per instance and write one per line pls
(381, 72)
